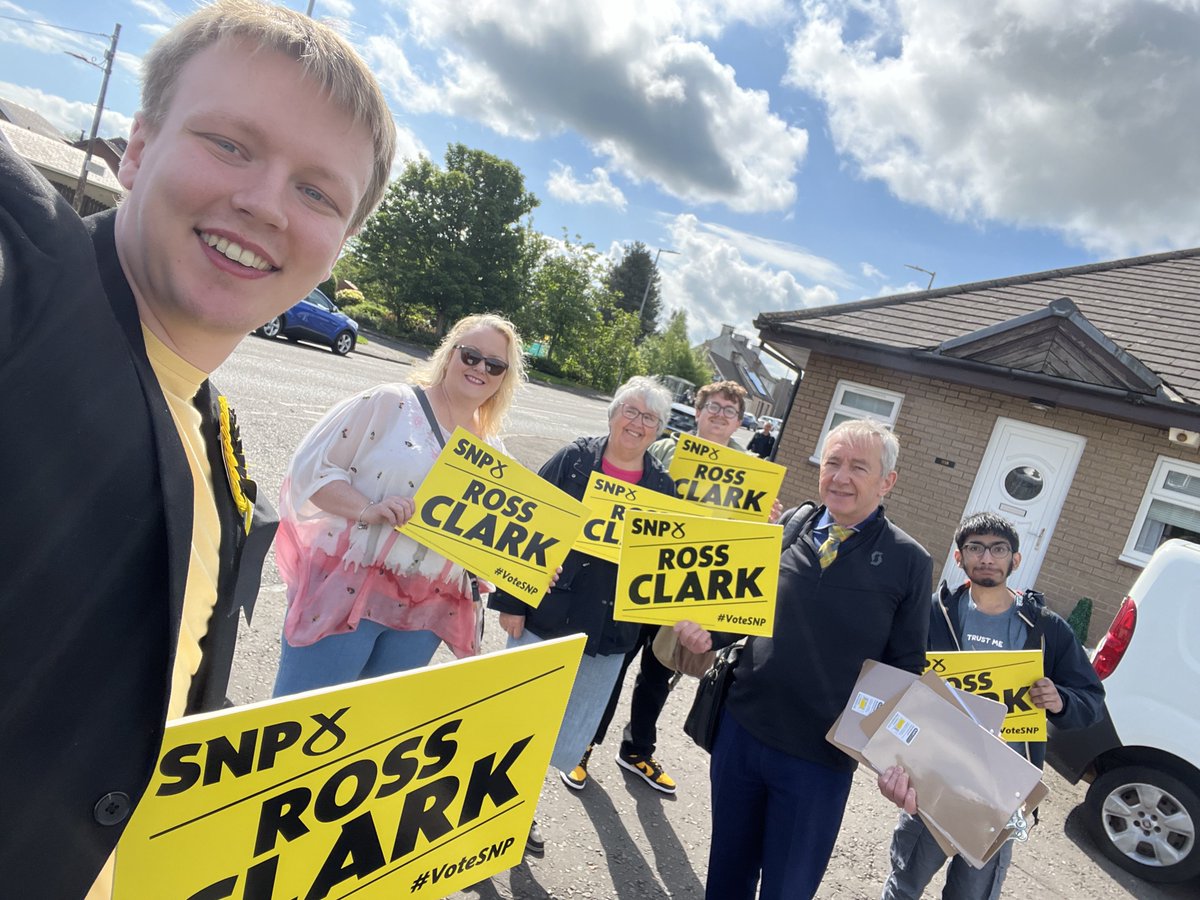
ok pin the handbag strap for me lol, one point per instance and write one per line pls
(436, 428)
(434, 425)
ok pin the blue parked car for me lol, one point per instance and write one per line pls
(315, 318)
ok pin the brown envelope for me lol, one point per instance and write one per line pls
(878, 683)
(968, 782)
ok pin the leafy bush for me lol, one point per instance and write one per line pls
(1080, 618)
(349, 297)
(364, 312)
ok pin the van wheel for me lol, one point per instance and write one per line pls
(1145, 821)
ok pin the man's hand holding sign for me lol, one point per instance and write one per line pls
(487, 512)
(742, 486)
(718, 573)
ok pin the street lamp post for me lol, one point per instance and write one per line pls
(109, 55)
(645, 296)
(932, 275)
(650, 281)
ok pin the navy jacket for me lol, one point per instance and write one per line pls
(1065, 663)
(582, 600)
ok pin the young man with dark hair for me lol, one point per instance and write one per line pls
(262, 145)
(983, 613)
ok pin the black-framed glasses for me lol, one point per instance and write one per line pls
(729, 412)
(472, 357)
(632, 413)
(998, 551)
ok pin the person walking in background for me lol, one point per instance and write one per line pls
(983, 613)
(363, 599)
(762, 443)
(852, 587)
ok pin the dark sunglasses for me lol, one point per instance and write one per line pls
(472, 357)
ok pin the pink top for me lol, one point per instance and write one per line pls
(633, 476)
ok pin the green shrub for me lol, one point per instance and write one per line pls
(349, 297)
(365, 313)
(1080, 618)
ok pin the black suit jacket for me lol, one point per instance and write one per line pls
(95, 538)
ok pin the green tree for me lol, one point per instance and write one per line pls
(628, 280)
(566, 297)
(448, 239)
(670, 353)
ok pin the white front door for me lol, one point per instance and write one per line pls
(1025, 475)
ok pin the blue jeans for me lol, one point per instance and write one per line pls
(774, 814)
(589, 695)
(368, 651)
(916, 858)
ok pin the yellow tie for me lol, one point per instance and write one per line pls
(828, 551)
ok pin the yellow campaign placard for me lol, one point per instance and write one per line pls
(495, 518)
(412, 785)
(720, 573)
(609, 500)
(742, 485)
(1002, 675)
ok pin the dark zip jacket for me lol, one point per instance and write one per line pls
(870, 603)
(582, 600)
(1065, 663)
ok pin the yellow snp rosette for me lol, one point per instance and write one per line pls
(741, 485)
(495, 518)
(1002, 675)
(609, 500)
(722, 574)
(415, 785)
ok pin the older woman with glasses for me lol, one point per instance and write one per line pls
(363, 599)
(582, 600)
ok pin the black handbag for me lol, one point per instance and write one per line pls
(705, 714)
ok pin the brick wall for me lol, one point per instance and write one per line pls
(955, 422)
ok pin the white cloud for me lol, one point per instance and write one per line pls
(627, 77)
(69, 116)
(341, 9)
(1073, 115)
(408, 149)
(869, 271)
(563, 186)
(718, 283)
(158, 10)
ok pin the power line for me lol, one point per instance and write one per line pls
(52, 25)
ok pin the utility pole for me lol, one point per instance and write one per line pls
(109, 56)
(645, 296)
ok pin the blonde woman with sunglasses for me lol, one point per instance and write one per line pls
(363, 599)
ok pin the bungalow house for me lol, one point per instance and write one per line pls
(1068, 401)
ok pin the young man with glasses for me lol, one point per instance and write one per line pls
(984, 614)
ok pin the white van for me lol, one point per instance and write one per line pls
(1143, 759)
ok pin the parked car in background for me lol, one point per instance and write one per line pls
(315, 318)
(775, 422)
(1143, 758)
(748, 421)
(682, 418)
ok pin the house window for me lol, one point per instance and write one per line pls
(858, 401)
(1170, 509)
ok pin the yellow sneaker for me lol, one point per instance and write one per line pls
(577, 778)
(649, 770)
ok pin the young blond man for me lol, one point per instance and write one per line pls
(262, 144)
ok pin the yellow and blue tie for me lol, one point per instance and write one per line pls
(828, 551)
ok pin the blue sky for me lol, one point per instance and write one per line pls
(794, 153)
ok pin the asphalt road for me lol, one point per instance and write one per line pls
(617, 838)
